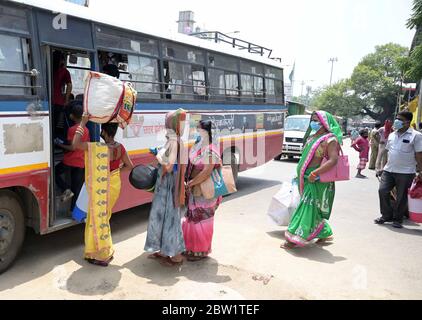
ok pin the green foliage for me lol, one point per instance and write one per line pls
(339, 100)
(416, 17)
(373, 87)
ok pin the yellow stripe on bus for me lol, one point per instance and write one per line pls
(31, 167)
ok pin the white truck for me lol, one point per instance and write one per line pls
(294, 131)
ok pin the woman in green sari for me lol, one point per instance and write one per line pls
(309, 221)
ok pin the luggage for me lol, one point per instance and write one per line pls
(284, 203)
(108, 99)
(143, 177)
(220, 183)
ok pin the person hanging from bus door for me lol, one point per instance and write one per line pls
(62, 90)
(74, 160)
(98, 242)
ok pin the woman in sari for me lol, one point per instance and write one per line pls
(198, 225)
(309, 221)
(103, 163)
(164, 235)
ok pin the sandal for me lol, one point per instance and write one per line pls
(288, 245)
(99, 263)
(156, 256)
(328, 239)
(196, 258)
(170, 262)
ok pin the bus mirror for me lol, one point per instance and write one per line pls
(35, 73)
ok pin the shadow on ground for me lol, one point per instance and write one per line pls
(201, 271)
(41, 254)
(247, 185)
(314, 252)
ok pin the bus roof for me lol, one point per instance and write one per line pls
(86, 13)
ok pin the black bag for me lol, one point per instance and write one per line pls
(143, 177)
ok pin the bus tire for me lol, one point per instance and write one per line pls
(12, 228)
(278, 158)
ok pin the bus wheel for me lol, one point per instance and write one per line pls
(12, 228)
(229, 158)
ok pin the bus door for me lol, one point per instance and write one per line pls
(67, 70)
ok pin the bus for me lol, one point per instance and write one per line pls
(241, 92)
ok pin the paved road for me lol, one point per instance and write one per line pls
(365, 261)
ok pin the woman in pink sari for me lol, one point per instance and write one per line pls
(198, 225)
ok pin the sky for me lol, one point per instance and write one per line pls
(305, 32)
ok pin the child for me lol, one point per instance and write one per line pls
(362, 146)
(74, 160)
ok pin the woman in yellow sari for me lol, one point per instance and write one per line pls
(103, 163)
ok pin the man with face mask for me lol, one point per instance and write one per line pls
(404, 147)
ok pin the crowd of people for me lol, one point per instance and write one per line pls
(181, 221)
(396, 156)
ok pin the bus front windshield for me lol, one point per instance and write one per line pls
(297, 124)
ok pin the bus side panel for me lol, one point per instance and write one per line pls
(37, 182)
(25, 155)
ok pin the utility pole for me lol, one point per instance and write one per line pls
(332, 60)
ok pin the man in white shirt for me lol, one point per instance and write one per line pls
(404, 147)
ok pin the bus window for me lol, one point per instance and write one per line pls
(251, 68)
(119, 40)
(217, 84)
(279, 95)
(232, 85)
(259, 89)
(79, 66)
(198, 80)
(252, 88)
(270, 90)
(178, 78)
(141, 71)
(14, 61)
(183, 53)
(224, 85)
(223, 62)
(247, 83)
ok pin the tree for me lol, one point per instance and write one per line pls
(413, 64)
(339, 100)
(415, 20)
(376, 80)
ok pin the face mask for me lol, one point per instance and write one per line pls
(315, 126)
(398, 124)
(197, 137)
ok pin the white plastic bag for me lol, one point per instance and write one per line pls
(81, 208)
(284, 203)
